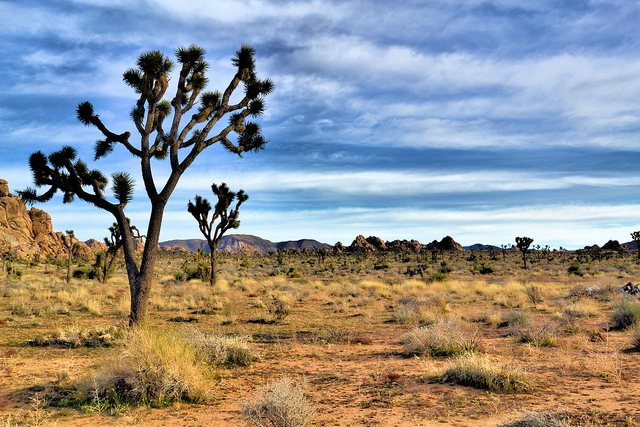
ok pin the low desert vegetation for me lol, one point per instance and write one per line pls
(476, 370)
(443, 338)
(281, 403)
(374, 336)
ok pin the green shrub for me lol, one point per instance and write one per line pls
(474, 370)
(438, 276)
(574, 268)
(486, 269)
(279, 404)
(626, 315)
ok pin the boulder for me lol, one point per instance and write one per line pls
(377, 243)
(612, 245)
(446, 244)
(96, 245)
(361, 244)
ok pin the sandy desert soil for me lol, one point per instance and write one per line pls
(344, 337)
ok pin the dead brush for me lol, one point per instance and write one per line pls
(544, 335)
(279, 404)
(223, 350)
(537, 419)
(634, 345)
(443, 338)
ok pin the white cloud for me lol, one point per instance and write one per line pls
(242, 12)
(403, 183)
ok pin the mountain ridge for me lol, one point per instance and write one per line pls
(235, 243)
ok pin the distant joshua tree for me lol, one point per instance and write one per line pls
(114, 242)
(228, 218)
(636, 238)
(523, 244)
(504, 250)
(71, 246)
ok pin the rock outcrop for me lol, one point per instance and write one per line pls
(405, 246)
(373, 243)
(446, 244)
(361, 244)
(29, 233)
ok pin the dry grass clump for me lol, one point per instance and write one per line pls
(156, 368)
(74, 338)
(535, 419)
(279, 404)
(443, 338)
(411, 310)
(478, 371)
(544, 335)
(223, 350)
(514, 319)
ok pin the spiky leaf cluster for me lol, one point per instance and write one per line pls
(61, 171)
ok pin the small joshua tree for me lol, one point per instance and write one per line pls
(523, 244)
(636, 238)
(196, 122)
(71, 246)
(228, 218)
(106, 261)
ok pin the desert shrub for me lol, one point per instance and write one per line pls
(438, 276)
(443, 338)
(79, 273)
(223, 350)
(634, 345)
(534, 419)
(156, 367)
(486, 269)
(574, 268)
(534, 293)
(279, 404)
(626, 315)
(279, 309)
(544, 335)
(514, 319)
(474, 370)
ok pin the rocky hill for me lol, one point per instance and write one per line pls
(374, 243)
(28, 233)
(243, 243)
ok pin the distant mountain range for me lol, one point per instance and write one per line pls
(246, 243)
(235, 243)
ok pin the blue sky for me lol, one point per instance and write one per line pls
(483, 120)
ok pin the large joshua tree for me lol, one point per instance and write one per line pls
(227, 219)
(190, 132)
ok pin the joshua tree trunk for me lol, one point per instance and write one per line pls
(214, 278)
(69, 264)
